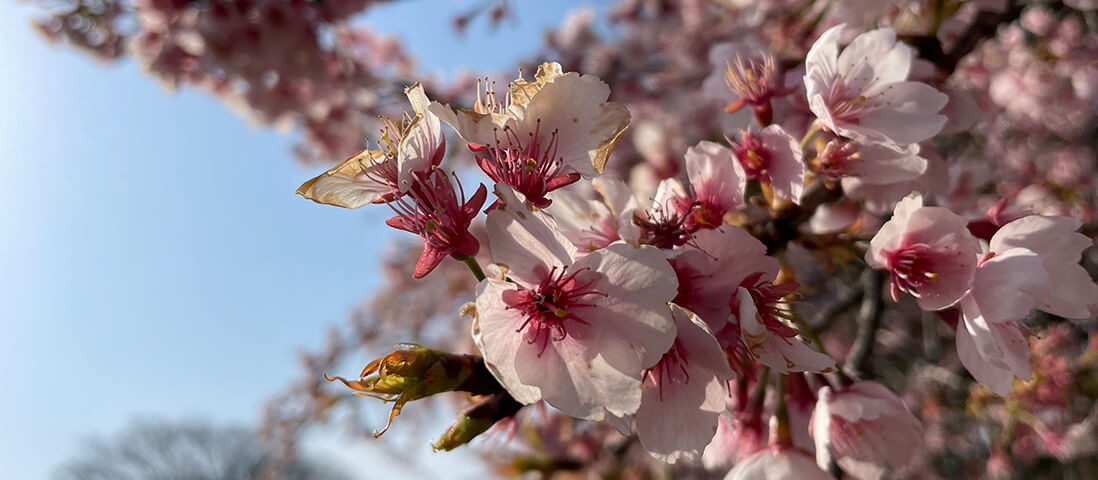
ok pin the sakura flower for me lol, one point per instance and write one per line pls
(720, 55)
(575, 332)
(755, 81)
(863, 93)
(873, 163)
(726, 278)
(529, 167)
(1070, 290)
(717, 184)
(994, 353)
(1032, 262)
(441, 216)
(544, 132)
(711, 269)
(664, 224)
(881, 198)
(867, 427)
(595, 213)
(778, 464)
(773, 157)
(372, 176)
(766, 337)
(928, 251)
(739, 434)
(684, 393)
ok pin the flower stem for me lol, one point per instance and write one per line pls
(810, 134)
(759, 395)
(474, 267)
(783, 433)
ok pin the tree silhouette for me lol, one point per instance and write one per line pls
(155, 450)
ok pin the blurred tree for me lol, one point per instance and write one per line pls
(154, 450)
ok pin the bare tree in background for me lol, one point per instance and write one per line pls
(150, 450)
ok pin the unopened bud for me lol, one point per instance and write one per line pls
(478, 419)
(412, 372)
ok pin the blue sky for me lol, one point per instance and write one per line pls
(155, 262)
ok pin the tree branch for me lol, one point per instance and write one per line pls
(869, 318)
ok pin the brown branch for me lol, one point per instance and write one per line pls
(869, 319)
(780, 231)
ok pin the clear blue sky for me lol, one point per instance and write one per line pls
(155, 262)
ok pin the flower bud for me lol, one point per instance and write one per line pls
(412, 372)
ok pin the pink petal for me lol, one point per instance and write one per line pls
(786, 163)
(428, 260)
(527, 242)
(874, 58)
(995, 378)
(906, 114)
(577, 381)
(712, 167)
(1002, 284)
(881, 164)
(495, 333)
(638, 283)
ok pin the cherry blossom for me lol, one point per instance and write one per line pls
(712, 268)
(1032, 262)
(408, 149)
(684, 393)
(863, 93)
(556, 125)
(928, 252)
(575, 332)
(867, 427)
(441, 215)
(766, 337)
(778, 464)
(773, 157)
(717, 184)
(871, 163)
(595, 213)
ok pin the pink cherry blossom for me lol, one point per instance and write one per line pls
(928, 252)
(684, 393)
(441, 215)
(1070, 290)
(557, 125)
(595, 213)
(755, 81)
(668, 221)
(991, 342)
(408, 149)
(766, 337)
(778, 464)
(873, 163)
(739, 434)
(881, 198)
(1032, 262)
(711, 269)
(863, 93)
(773, 157)
(575, 332)
(717, 184)
(867, 427)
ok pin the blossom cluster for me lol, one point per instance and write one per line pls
(735, 243)
(292, 64)
(656, 313)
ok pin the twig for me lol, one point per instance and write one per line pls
(781, 230)
(844, 300)
(869, 318)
